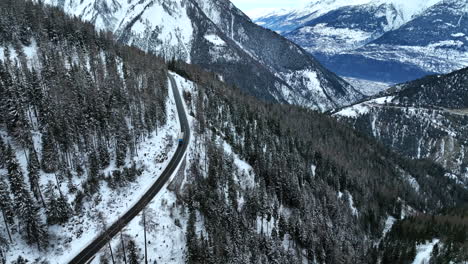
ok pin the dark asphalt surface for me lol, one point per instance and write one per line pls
(88, 253)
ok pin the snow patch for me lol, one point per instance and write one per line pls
(217, 41)
(388, 225)
(424, 251)
(353, 111)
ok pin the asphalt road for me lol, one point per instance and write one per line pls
(88, 253)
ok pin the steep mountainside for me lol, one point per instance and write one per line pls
(84, 125)
(87, 124)
(286, 20)
(385, 40)
(222, 39)
(327, 195)
(426, 118)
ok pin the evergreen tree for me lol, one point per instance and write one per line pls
(50, 160)
(36, 232)
(58, 210)
(3, 157)
(6, 207)
(122, 143)
(33, 174)
(133, 256)
(24, 206)
(191, 238)
(104, 158)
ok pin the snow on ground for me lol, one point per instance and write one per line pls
(166, 240)
(314, 96)
(166, 226)
(423, 252)
(162, 26)
(388, 225)
(70, 238)
(432, 58)
(354, 210)
(329, 39)
(351, 205)
(166, 220)
(362, 108)
(214, 39)
(354, 111)
(367, 87)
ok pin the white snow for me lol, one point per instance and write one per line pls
(354, 210)
(305, 10)
(388, 225)
(71, 237)
(217, 41)
(160, 27)
(329, 39)
(367, 87)
(300, 15)
(313, 168)
(447, 43)
(353, 111)
(460, 34)
(362, 108)
(424, 251)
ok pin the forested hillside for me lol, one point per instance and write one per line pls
(318, 190)
(450, 228)
(422, 119)
(444, 91)
(87, 124)
(75, 108)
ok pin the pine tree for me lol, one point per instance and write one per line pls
(121, 144)
(35, 230)
(3, 150)
(58, 210)
(24, 206)
(50, 160)
(104, 158)
(33, 174)
(133, 256)
(6, 206)
(191, 237)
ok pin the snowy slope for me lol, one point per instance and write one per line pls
(218, 36)
(396, 12)
(424, 119)
(380, 40)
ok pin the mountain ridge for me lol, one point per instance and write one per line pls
(242, 53)
(399, 40)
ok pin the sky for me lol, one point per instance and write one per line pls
(249, 5)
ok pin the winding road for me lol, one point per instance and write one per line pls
(88, 253)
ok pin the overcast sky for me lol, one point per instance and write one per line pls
(248, 5)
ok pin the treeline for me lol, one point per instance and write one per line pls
(447, 91)
(450, 227)
(72, 103)
(302, 161)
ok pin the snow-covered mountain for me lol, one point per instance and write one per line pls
(381, 40)
(218, 36)
(423, 119)
(88, 125)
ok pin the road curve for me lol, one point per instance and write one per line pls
(88, 253)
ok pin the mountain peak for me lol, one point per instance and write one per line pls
(258, 61)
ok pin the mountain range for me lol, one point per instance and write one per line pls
(388, 41)
(95, 108)
(218, 36)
